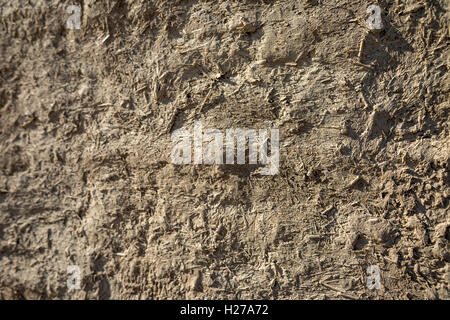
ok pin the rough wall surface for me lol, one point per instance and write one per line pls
(86, 176)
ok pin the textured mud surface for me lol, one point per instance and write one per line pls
(85, 138)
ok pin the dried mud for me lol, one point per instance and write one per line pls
(85, 138)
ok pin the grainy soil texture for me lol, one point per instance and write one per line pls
(359, 205)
